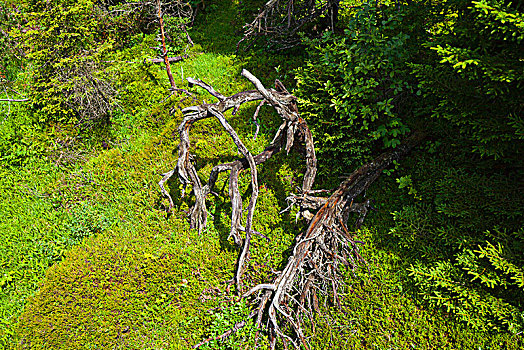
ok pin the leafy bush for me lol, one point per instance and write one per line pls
(462, 240)
(65, 44)
(352, 89)
(461, 217)
(473, 75)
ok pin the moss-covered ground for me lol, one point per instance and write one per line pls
(90, 259)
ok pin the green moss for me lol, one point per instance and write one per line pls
(93, 260)
(378, 313)
(146, 280)
(37, 225)
(113, 290)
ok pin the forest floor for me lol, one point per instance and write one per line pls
(92, 260)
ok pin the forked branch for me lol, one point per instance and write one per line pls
(323, 252)
(292, 127)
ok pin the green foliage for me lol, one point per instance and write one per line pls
(125, 20)
(447, 237)
(352, 87)
(141, 85)
(10, 55)
(405, 182)
(221, 25)
(474, 75)
(235, 318)
(462, 198)
(36, 230)
(444, 285)
(177, 38)
(65, 44)
(496, 258)
(20, 139)
(380, 312)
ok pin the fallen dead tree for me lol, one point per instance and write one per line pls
(322, 252)
(319, 253)
(279, 22)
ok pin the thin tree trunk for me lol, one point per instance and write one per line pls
(164, 53)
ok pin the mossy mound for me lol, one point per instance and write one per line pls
(146, 280)
(126, 291)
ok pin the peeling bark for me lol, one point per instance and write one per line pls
(160, 16)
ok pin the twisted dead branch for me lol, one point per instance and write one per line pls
(292, 127)
(279, 22)
(320, 253)
(323, 252)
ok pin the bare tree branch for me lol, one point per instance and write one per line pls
(279, 22)
(13, 100)
(285, 104)
(321, 253)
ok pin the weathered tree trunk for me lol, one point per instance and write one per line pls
(320, 251)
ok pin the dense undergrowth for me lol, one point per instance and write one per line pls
(91, 260)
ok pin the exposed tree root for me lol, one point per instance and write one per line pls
(292, 127)
(321, 251)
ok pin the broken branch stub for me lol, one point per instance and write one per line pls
(292, 127)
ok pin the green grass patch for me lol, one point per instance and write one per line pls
(141, 274)
(147, 274)
(90, 259)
